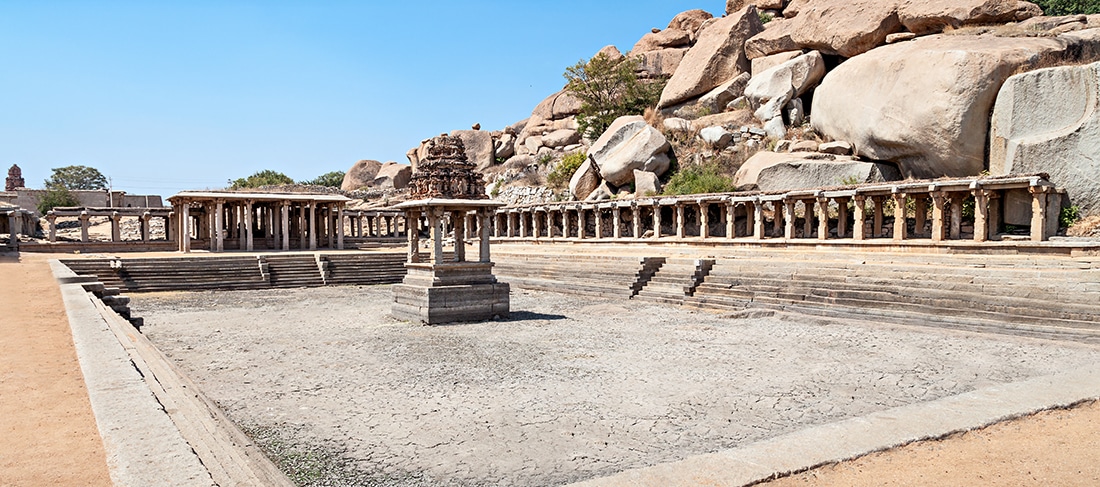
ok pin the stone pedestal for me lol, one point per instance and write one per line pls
(449, 292)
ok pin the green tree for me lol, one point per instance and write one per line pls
(1069, 7)
(54, 197)
(608, 89)
(76, 178)
(266, 177)
(562, 172)
(331, 179)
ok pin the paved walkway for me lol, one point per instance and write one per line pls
(49, 435)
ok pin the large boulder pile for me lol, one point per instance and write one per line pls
(369, 174)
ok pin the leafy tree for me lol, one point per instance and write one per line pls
(266, 177)
(331, 179)
(608, 89)
(1069, 7)
(76, 178)
(54, 197)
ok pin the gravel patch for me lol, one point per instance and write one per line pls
(567, 389)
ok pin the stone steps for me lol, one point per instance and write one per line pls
(674, 280)
(589, 275)
(244, 272)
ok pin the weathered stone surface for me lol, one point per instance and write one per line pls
(783, 145)
(716, 100)
(839, 147)
(557, 106)
(932, 16)
(735, 118)
(716, 137)
(505, 146)
(413, 155)
(925, 104)
(779, 84)
(775, 128)
(1048, 121)
(761, 64)
(519, 163)
(673, 124)
(690, 21)
(479, 147)
(561, 138)
(601, 193)
(852, 27)
(660, 40)
(716, 57)
(585, 180)
(360, 175)
(393, 175)
(662, 62)
(775, 39)
(611, 52)
(774, 171)
(804, 146)
(646, 183)
(629, 144)
(900, 37)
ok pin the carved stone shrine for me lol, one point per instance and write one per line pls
(448, 288)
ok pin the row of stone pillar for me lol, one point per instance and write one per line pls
(313, 223)
(823, 217)
(440, 221)
(116, 225)
(376, 225)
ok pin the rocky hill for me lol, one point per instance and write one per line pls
(786, 94)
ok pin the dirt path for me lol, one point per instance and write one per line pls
(1059, 447)
(48, 432)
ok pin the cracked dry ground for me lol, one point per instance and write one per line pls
(567, 389)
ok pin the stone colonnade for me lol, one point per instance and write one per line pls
(144, 215)
(16, 222)
(932, 210)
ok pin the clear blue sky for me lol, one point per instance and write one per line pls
(165, 96)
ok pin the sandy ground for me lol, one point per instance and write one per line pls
(567, 389)
(48, 434)
(1058, 447)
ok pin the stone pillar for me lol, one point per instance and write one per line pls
(1038, 213)
(459, 220)
(435, 218)
(656, 221)
(13, 229)
(219, 225)
(920, 210)
(757, 220)
(330, 226)
(169, 227)
(116, 232)
(145, 217)
(981, 215)
(956, 216)
(636, 223)
(285, 225)
(680, 223)
(808, 218)
(549, 223)
(617, 221)
(184, 234)
(938, 202)
(900, 217)
(597, 214)
(523, 233)
(822, 218)
(249, 223)
(511, 224)
(413, 236)
(859, 225)
(876, 228)
(311, 207)
(750, 218)
(483, 234)
(581, 223)
(340, 227)
(994, 214)
(841, 217)
(731, 220)
(52, 218)
(704, 225)
(778, 227)
(788, 222)
(83, 226)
